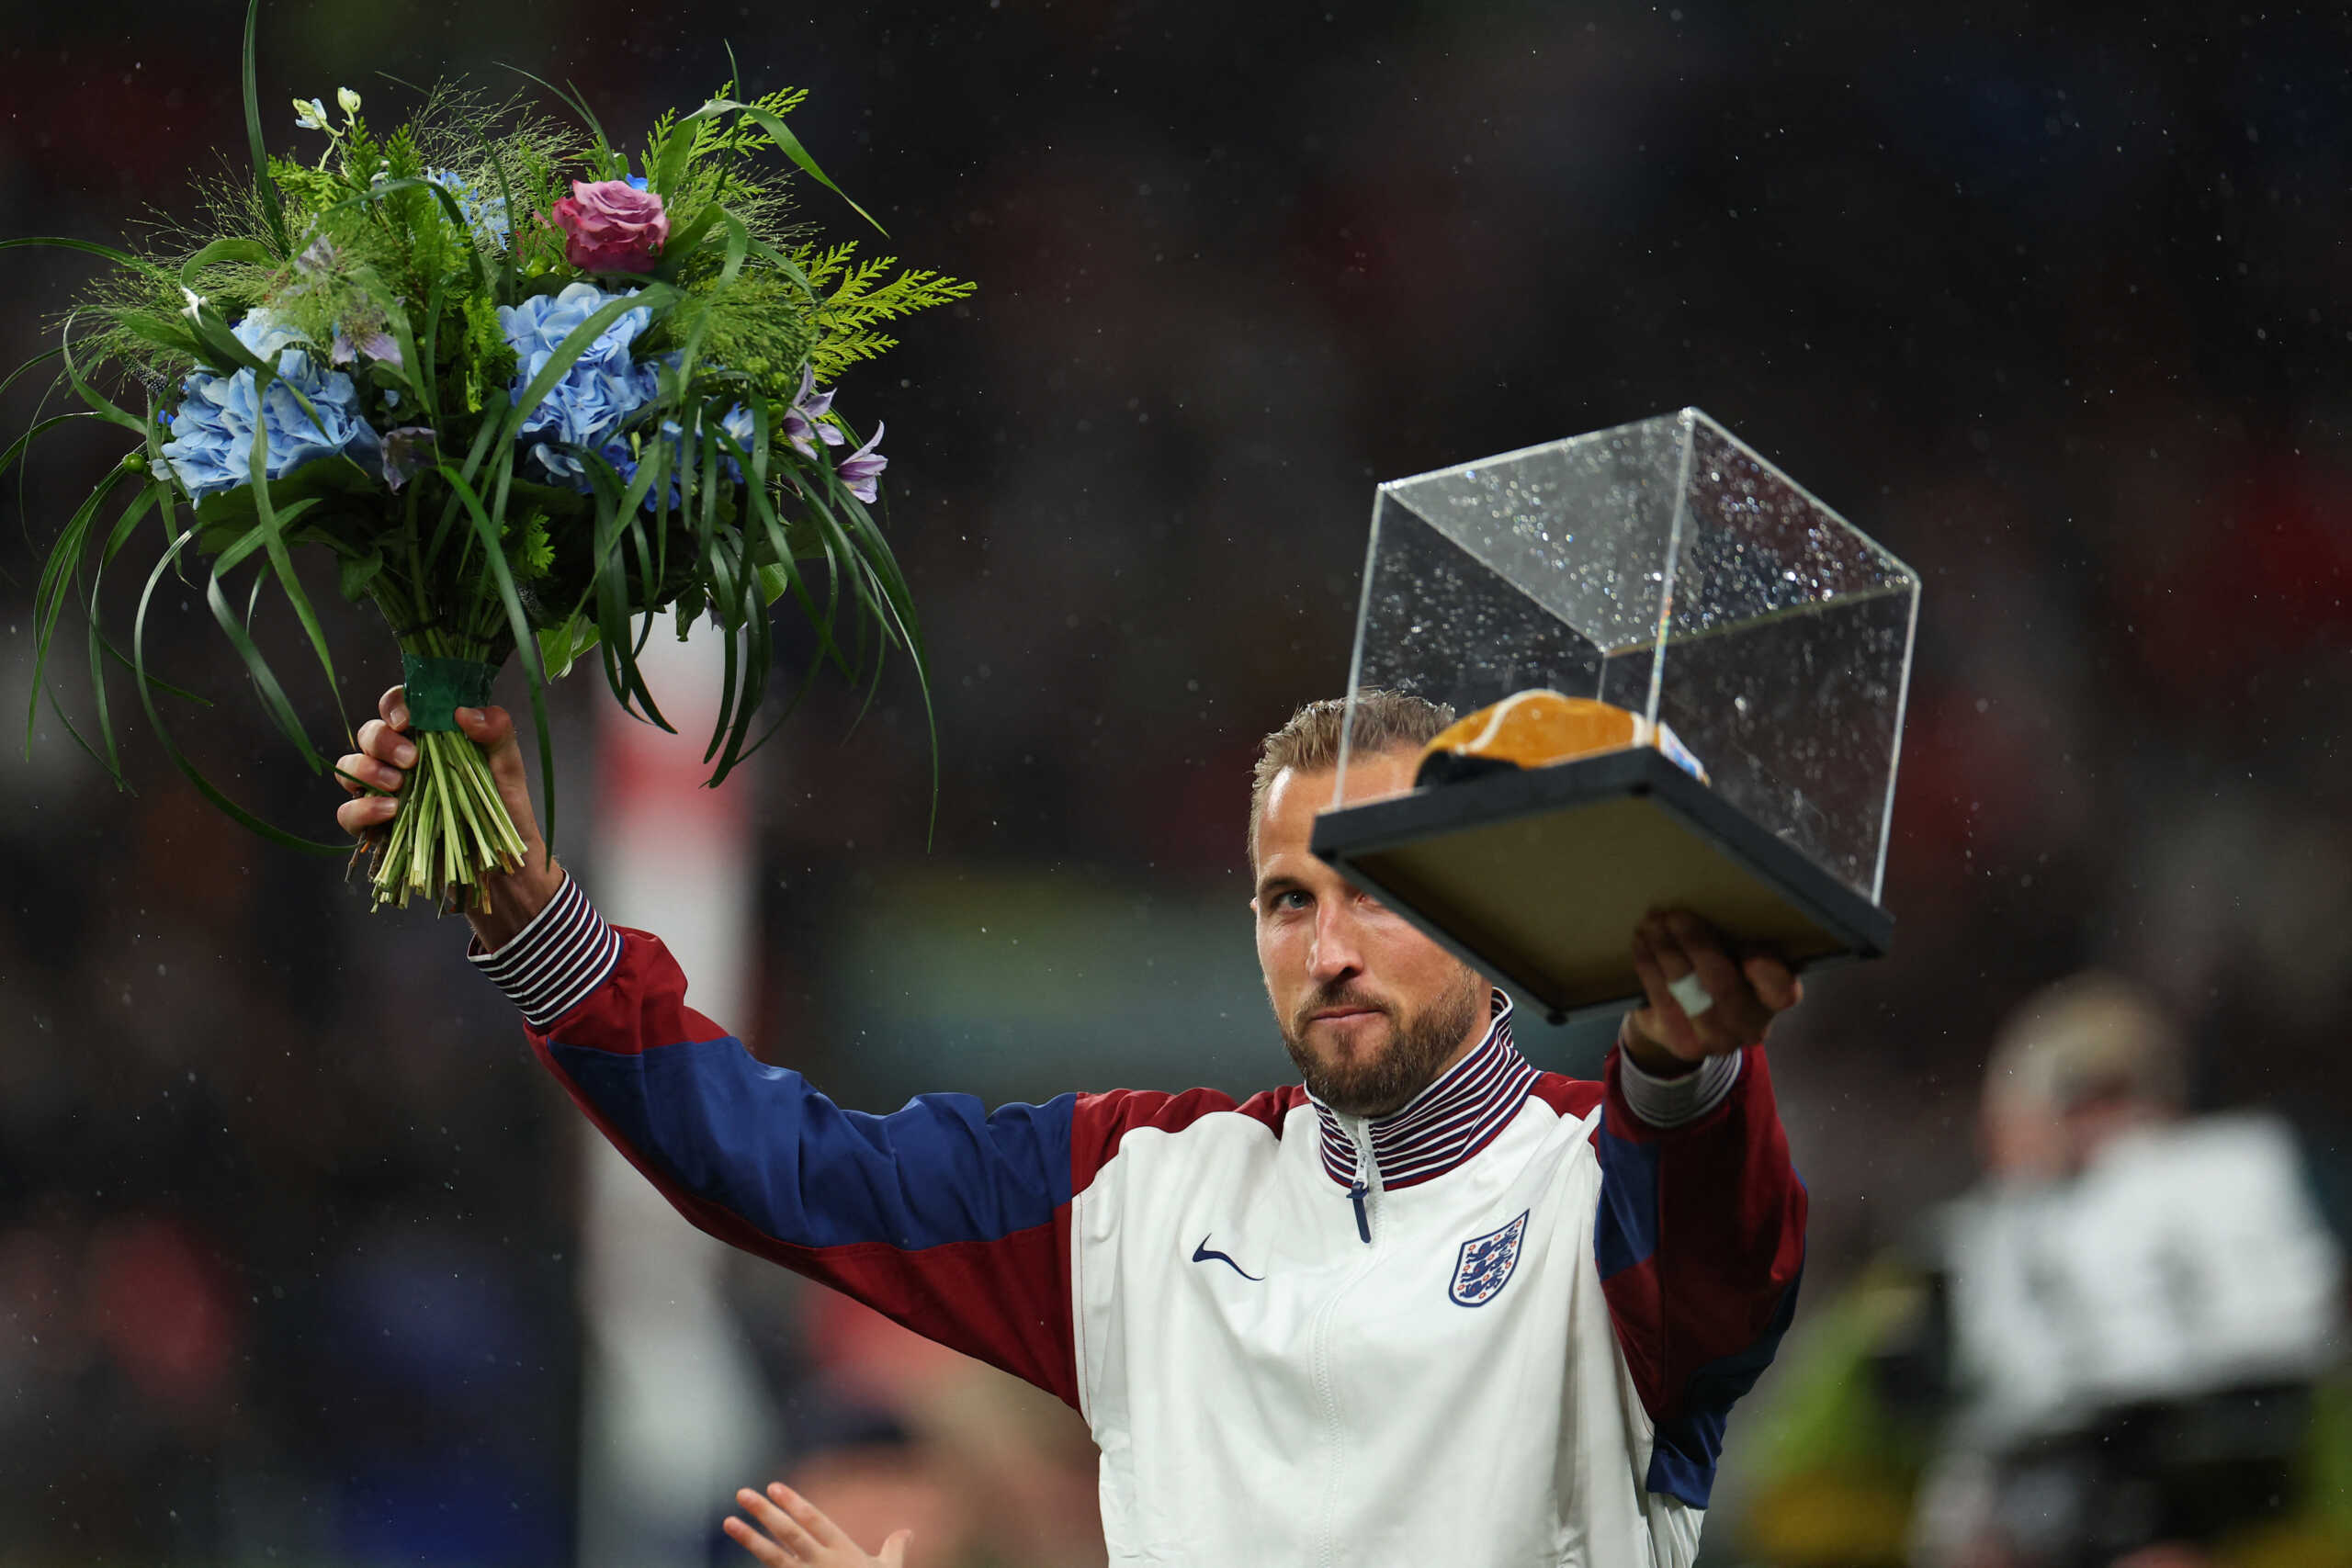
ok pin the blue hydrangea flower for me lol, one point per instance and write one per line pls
(601, 389)
(213, 430)
(487, 213)
(623, 456)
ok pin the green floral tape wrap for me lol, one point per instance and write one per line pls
(438, 687)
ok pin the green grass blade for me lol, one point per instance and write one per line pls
(120, 258)
(162, 333)
(667, 180)
(43, 358)
(125, 525)
(281, 561)
(272, 204)
(58, 572)
(233, 250)
(577, 104)
(83, 741)
(526, 647)
(156, 680)
(656, 297)
(195, 775)
(783, 264)
(96, 401)
(788, 145)
(16, 447)
(273, 696)
(508, 285)
(449, 206)
(415, 373)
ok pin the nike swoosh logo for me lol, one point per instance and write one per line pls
(1202, 1254)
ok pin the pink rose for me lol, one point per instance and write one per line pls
(611, 226)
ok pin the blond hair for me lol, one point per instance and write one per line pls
(1309, 742)
(2091, 1033)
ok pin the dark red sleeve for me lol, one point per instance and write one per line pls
(1700, 1241)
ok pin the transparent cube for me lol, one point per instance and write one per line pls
(1666, 567)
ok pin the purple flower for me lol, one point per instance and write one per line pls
(862, 469)
(376, 344)
(406, 450)
(320, 256)
(806, 417)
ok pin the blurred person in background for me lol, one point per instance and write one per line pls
(1259, 1307)
(890, 1430)
(2120, 1349)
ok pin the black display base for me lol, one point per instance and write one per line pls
(1537, 878)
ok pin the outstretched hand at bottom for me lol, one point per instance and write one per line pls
(373, 777)
(793, 1532)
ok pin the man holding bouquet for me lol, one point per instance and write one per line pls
(1428, 1305)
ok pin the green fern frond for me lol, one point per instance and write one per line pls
(856, 303)
(837, 352)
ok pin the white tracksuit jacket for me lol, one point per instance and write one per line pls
(1500, 1326)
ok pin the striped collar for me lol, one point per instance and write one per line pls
(1444, 1124)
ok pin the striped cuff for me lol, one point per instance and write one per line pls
(1676, 1101)
(550, 967)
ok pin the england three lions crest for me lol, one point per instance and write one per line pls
(1485, 1265)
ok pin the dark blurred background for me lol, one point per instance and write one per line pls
(2055, 304)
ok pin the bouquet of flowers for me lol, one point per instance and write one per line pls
(526, 391)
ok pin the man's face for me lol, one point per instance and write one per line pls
(1372, 1009)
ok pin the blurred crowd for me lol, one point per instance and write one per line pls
(2055, 304)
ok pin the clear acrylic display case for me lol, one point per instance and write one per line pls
(1666, 567)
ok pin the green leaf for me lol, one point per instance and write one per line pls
(340, 484)
(785, 141)
(560, 647)
(684, 243)
(506, 197)
(281, 561)
(90, 395)
(667, 180)
(59, 570)
(273, 695)
(272, 204)
(250, 250)
(526, 644)
(16, 447)
(164, 333)
(125, 526)
(354, 573)
(578, 103)
(43, 358)
(423, 387)
(120, 258)
(375, 194)
(204, 786)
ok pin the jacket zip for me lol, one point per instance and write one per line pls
(1365, 1194)
(1361, 1193)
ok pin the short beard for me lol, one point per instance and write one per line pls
(1411, 1062)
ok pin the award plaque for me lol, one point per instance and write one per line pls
(1751, 646)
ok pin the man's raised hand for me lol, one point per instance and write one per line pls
(795, 1533)
(373, 777)
(1675, 947)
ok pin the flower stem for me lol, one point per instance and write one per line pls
(452, 828)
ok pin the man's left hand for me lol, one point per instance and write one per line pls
(1664, 1038)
